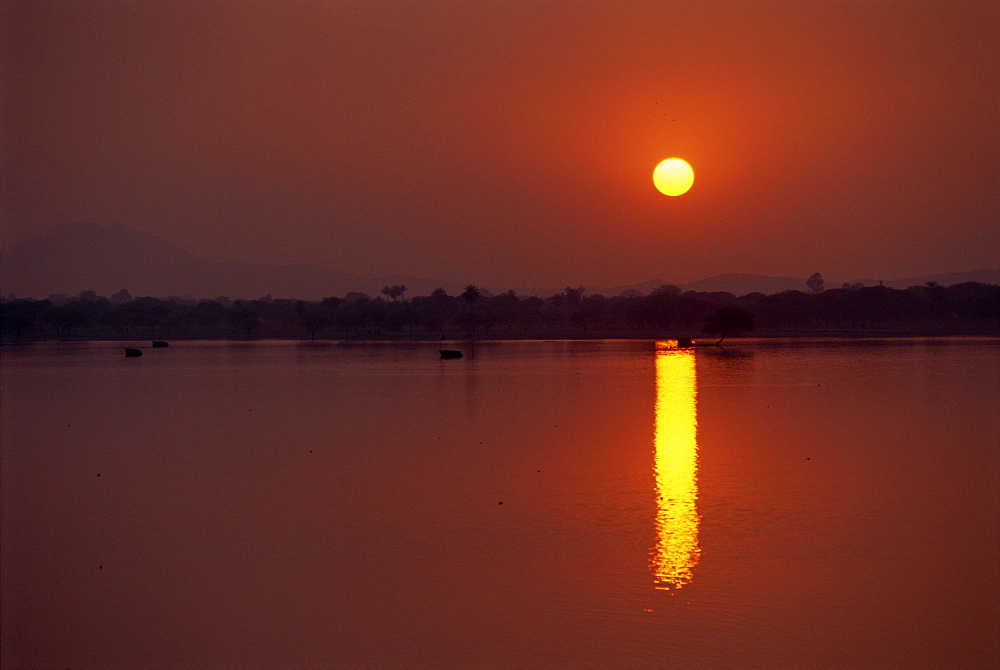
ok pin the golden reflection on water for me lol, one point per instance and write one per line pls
(675, 467)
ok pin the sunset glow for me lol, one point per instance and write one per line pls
(675, 466)
(461, 142)
(674, 176)
(350, 333)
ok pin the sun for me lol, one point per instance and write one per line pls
(673, 176)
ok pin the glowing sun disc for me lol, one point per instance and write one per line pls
(673, 176)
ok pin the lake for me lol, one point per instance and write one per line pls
(773, 503)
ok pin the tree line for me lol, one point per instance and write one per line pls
(968, 308)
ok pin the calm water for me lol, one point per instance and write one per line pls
(575, 504)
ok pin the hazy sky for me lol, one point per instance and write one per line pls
(512, 143)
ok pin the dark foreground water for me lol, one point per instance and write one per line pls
(574, 504)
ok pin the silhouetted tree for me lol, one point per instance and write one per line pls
(728, 321)
(207, 313)
(173, 322)
(503, 309)
(469, 322)
(529, 311)
(815, 282)
(555, 311)
(975, 301)
(432, 322)
(471, 294)
(126, 317)
(351, 319)
(392, 319)
(573, 295)
(875, 304)
(409, 317)
(656, 310)
(594, 312)
(312, 320)
(438, 301)
(67, 318)
(244, 317)
(396, 291)
(788, 309)
(969, 308)
(19, 317)
(122, 296)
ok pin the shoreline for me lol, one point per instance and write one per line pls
(562, 336)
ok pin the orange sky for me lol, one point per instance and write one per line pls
(511, 143)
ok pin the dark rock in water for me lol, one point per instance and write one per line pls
(684, 343)
(132, 353)
(450, 353)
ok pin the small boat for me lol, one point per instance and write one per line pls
(132, 353)
(450, 353)
(160, 343)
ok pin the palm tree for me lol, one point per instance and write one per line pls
(387, 291)
(397, 291)
(471, 295)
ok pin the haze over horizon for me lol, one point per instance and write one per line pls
(77, 257)
(512, 143)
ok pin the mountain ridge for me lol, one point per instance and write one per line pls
(75, 257)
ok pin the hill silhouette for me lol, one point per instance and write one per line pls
(76, 257)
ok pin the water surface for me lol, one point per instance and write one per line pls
(574, 504)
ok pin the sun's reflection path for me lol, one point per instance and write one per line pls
(675, 467)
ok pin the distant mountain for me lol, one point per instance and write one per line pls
(643, 288)
(944, 279)
(742, 284)
(81, 256)
(737, 284)
(77, 257)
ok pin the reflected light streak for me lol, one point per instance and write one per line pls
(675, 468)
